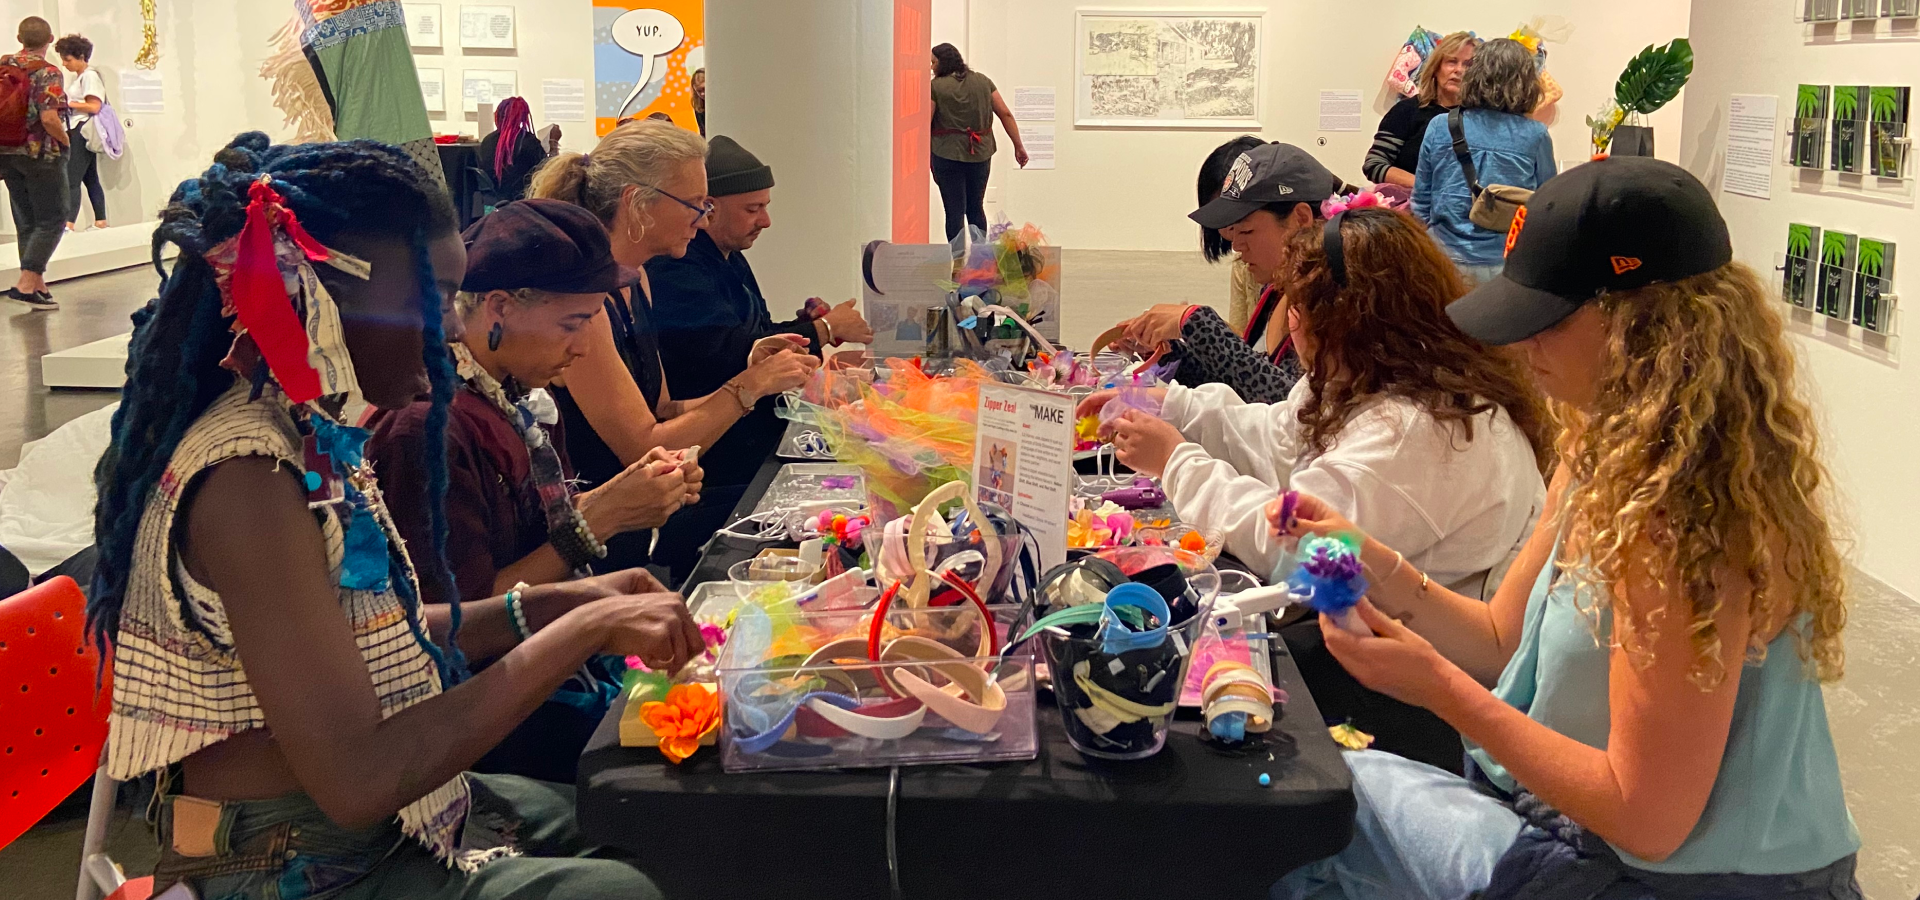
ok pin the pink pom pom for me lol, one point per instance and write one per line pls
(1121, 525)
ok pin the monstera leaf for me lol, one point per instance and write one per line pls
(1654, 77)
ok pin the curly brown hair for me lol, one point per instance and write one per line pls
(1699, 459)
(1387, 332)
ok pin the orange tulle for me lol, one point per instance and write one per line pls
(688, 714)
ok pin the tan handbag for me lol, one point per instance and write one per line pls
(1494, 205)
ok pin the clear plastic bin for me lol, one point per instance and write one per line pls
(808, 698)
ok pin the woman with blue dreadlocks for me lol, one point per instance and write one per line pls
(238, 520)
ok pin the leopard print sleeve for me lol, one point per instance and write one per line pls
(1215, 354)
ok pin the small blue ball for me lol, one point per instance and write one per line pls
(313, 481)
(1265, 779)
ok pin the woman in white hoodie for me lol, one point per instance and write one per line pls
(1404, 424)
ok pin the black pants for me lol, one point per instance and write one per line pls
(963, 192)
(83, 168)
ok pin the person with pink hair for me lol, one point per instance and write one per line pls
(513, 128)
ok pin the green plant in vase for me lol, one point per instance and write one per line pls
(1650, 81)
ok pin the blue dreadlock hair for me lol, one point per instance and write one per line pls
(180, 337)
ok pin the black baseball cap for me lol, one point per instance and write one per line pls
(547, 245)
(1269, 173)
(1609, 225)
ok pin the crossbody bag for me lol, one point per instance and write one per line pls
(1494, 205)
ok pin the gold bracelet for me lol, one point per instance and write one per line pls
(828, 339)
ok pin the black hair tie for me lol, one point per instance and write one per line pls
(1336, 249)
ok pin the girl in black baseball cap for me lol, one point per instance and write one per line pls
(1658, 729)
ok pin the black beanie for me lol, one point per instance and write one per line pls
(732, 170)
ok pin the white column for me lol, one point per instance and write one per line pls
(806, 85)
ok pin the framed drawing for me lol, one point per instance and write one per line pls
(1152, 68)
(423, 25)
(486, 27)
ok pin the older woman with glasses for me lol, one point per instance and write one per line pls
(647, 182)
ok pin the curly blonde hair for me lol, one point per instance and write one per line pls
(1698, 459)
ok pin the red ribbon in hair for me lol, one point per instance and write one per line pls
(260, 299)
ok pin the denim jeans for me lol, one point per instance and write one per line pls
(287, 849)
(1419, 834)
(38, 190)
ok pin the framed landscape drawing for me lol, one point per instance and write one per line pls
(1150, 68)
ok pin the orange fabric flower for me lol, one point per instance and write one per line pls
(689, 714)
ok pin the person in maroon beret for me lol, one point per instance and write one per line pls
(537, 273)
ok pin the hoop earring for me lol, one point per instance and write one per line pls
(493, 337)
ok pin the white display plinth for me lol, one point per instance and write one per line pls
(87, 252)
(101, 364)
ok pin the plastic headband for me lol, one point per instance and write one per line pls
(1336, 249)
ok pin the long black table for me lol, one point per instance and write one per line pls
(1192, 821)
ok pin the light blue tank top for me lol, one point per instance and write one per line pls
(1776, 806)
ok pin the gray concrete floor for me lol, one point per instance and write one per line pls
(1874, 712)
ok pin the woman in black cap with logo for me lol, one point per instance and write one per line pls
(1657, 728)
(537, 274)
(1271, 192)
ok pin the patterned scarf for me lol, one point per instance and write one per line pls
(549, 479)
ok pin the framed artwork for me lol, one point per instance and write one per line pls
(423, 25)
(433, 89)
(479, 86)
(1185, 68)
(486, 27)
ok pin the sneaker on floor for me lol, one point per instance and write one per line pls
(41, 301)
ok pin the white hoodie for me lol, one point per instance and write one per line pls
(1458, 509)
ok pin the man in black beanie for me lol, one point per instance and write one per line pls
(709, 311)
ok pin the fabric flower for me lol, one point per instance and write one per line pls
(689, 714)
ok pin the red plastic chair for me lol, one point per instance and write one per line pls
(53, 716)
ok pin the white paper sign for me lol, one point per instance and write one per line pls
(491, 86)
(1341, 111)
(423, 25)
(486, 27)
(1034, 104)
(140, 92)
(1023, 461)
(433, 89)
(1039, 141)
(565, 99)
(1751, 121)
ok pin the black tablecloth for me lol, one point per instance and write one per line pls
(1190, 822)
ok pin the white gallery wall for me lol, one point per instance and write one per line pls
(1869, 401)
(806, 86)
(1129, 188)
(210, 57)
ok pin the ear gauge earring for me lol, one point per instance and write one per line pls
(493, 337)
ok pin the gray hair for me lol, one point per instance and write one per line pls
(1502, 78)
(643, 153)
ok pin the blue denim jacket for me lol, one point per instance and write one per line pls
(1507, 149)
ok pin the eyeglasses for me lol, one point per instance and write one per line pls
(700, 212)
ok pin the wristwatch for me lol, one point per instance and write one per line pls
(739, 392)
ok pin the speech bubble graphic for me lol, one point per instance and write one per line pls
(648, 34)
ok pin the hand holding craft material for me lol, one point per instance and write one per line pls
(1331, 580)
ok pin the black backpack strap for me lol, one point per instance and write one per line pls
(1456, 123)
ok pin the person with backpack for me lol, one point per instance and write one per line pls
(88, 99)
(33, 156)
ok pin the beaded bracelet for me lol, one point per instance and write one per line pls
(576, 544)
(518, 611)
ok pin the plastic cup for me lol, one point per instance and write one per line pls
(791, 572)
